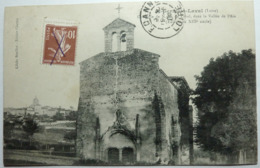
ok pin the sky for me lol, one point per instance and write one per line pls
(57, 85)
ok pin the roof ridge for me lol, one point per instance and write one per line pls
(180, 77)
(121, 20)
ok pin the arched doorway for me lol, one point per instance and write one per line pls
(113, 155)
(128, 155)
(116, 147)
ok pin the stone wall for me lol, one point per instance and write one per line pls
(136, 85)
(169, 94)
(136, 80)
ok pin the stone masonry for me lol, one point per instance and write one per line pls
(128, 107)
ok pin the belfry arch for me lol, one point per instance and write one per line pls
(114, 42)
(123, 40)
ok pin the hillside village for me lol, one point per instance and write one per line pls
(53, 133)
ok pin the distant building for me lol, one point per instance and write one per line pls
(15, 111)
(49, 111)
(37, 109)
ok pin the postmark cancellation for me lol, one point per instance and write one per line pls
(162, 19)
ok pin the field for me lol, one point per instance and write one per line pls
(26, 157)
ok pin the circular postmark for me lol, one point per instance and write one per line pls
(161, 19)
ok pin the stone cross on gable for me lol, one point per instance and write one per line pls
(119, 8)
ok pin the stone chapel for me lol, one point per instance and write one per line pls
(129, 110)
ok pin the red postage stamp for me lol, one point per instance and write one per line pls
(59, 44)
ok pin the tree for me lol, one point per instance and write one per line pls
(226, 102)
(158, 108)
(72, 116)
(8, 129)
(58, 116)
(30, 127)
(71, 136)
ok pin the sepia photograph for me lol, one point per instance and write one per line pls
(155, 83)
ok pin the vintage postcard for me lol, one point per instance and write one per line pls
(130, 83)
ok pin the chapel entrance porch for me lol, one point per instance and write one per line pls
(122, 155)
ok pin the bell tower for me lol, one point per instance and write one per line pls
(119, 36)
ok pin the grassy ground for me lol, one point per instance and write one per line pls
(30, 158)
(12, 162)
